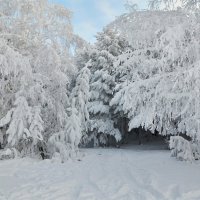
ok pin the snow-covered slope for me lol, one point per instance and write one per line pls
(111, 174)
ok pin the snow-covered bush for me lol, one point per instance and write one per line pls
(183, 149)
(8, 154)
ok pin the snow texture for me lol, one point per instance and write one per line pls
(140, 173)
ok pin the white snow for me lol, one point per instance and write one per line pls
(129, 173)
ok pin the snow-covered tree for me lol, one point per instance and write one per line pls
(82, 55)
(36, 126)
(18, 127)
(15, 72)
(29, 24)
(64, 144)
(174, 4)
(161, 93)
(81, 95)
(37, 62)
(131, 6)
(53, 82)
(25, 127)
(101, 64)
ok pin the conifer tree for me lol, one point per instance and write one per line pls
(101, 64)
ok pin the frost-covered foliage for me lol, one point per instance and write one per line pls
(83, 55)
(29, 24)
(131, 6)
(64, 144)
(144, 27)
(108, 47)
(80, 95)
(36, 71)
(160, 77)
(191, 5)
(51, 89)
(14, 110)
(21, 125)
(183, 149)
(25, 127)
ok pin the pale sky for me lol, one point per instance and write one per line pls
(90, 16)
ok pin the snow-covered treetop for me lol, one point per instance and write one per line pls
(142, 28)
(174, 4)
(28, 23)
(111, 41)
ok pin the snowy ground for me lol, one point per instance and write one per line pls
(129, 173)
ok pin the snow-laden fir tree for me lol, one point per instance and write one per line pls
(108, 47)
(15, 75)
(83, 54)
(25, 127)
(81, 95)
(64, 144)
(20, 123)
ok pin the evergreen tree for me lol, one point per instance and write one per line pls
(64, 144)
(108, 47)
(81, 95)
(25, 127)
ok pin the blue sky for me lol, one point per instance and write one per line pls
(90, 16)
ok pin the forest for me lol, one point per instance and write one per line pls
(60, 93)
